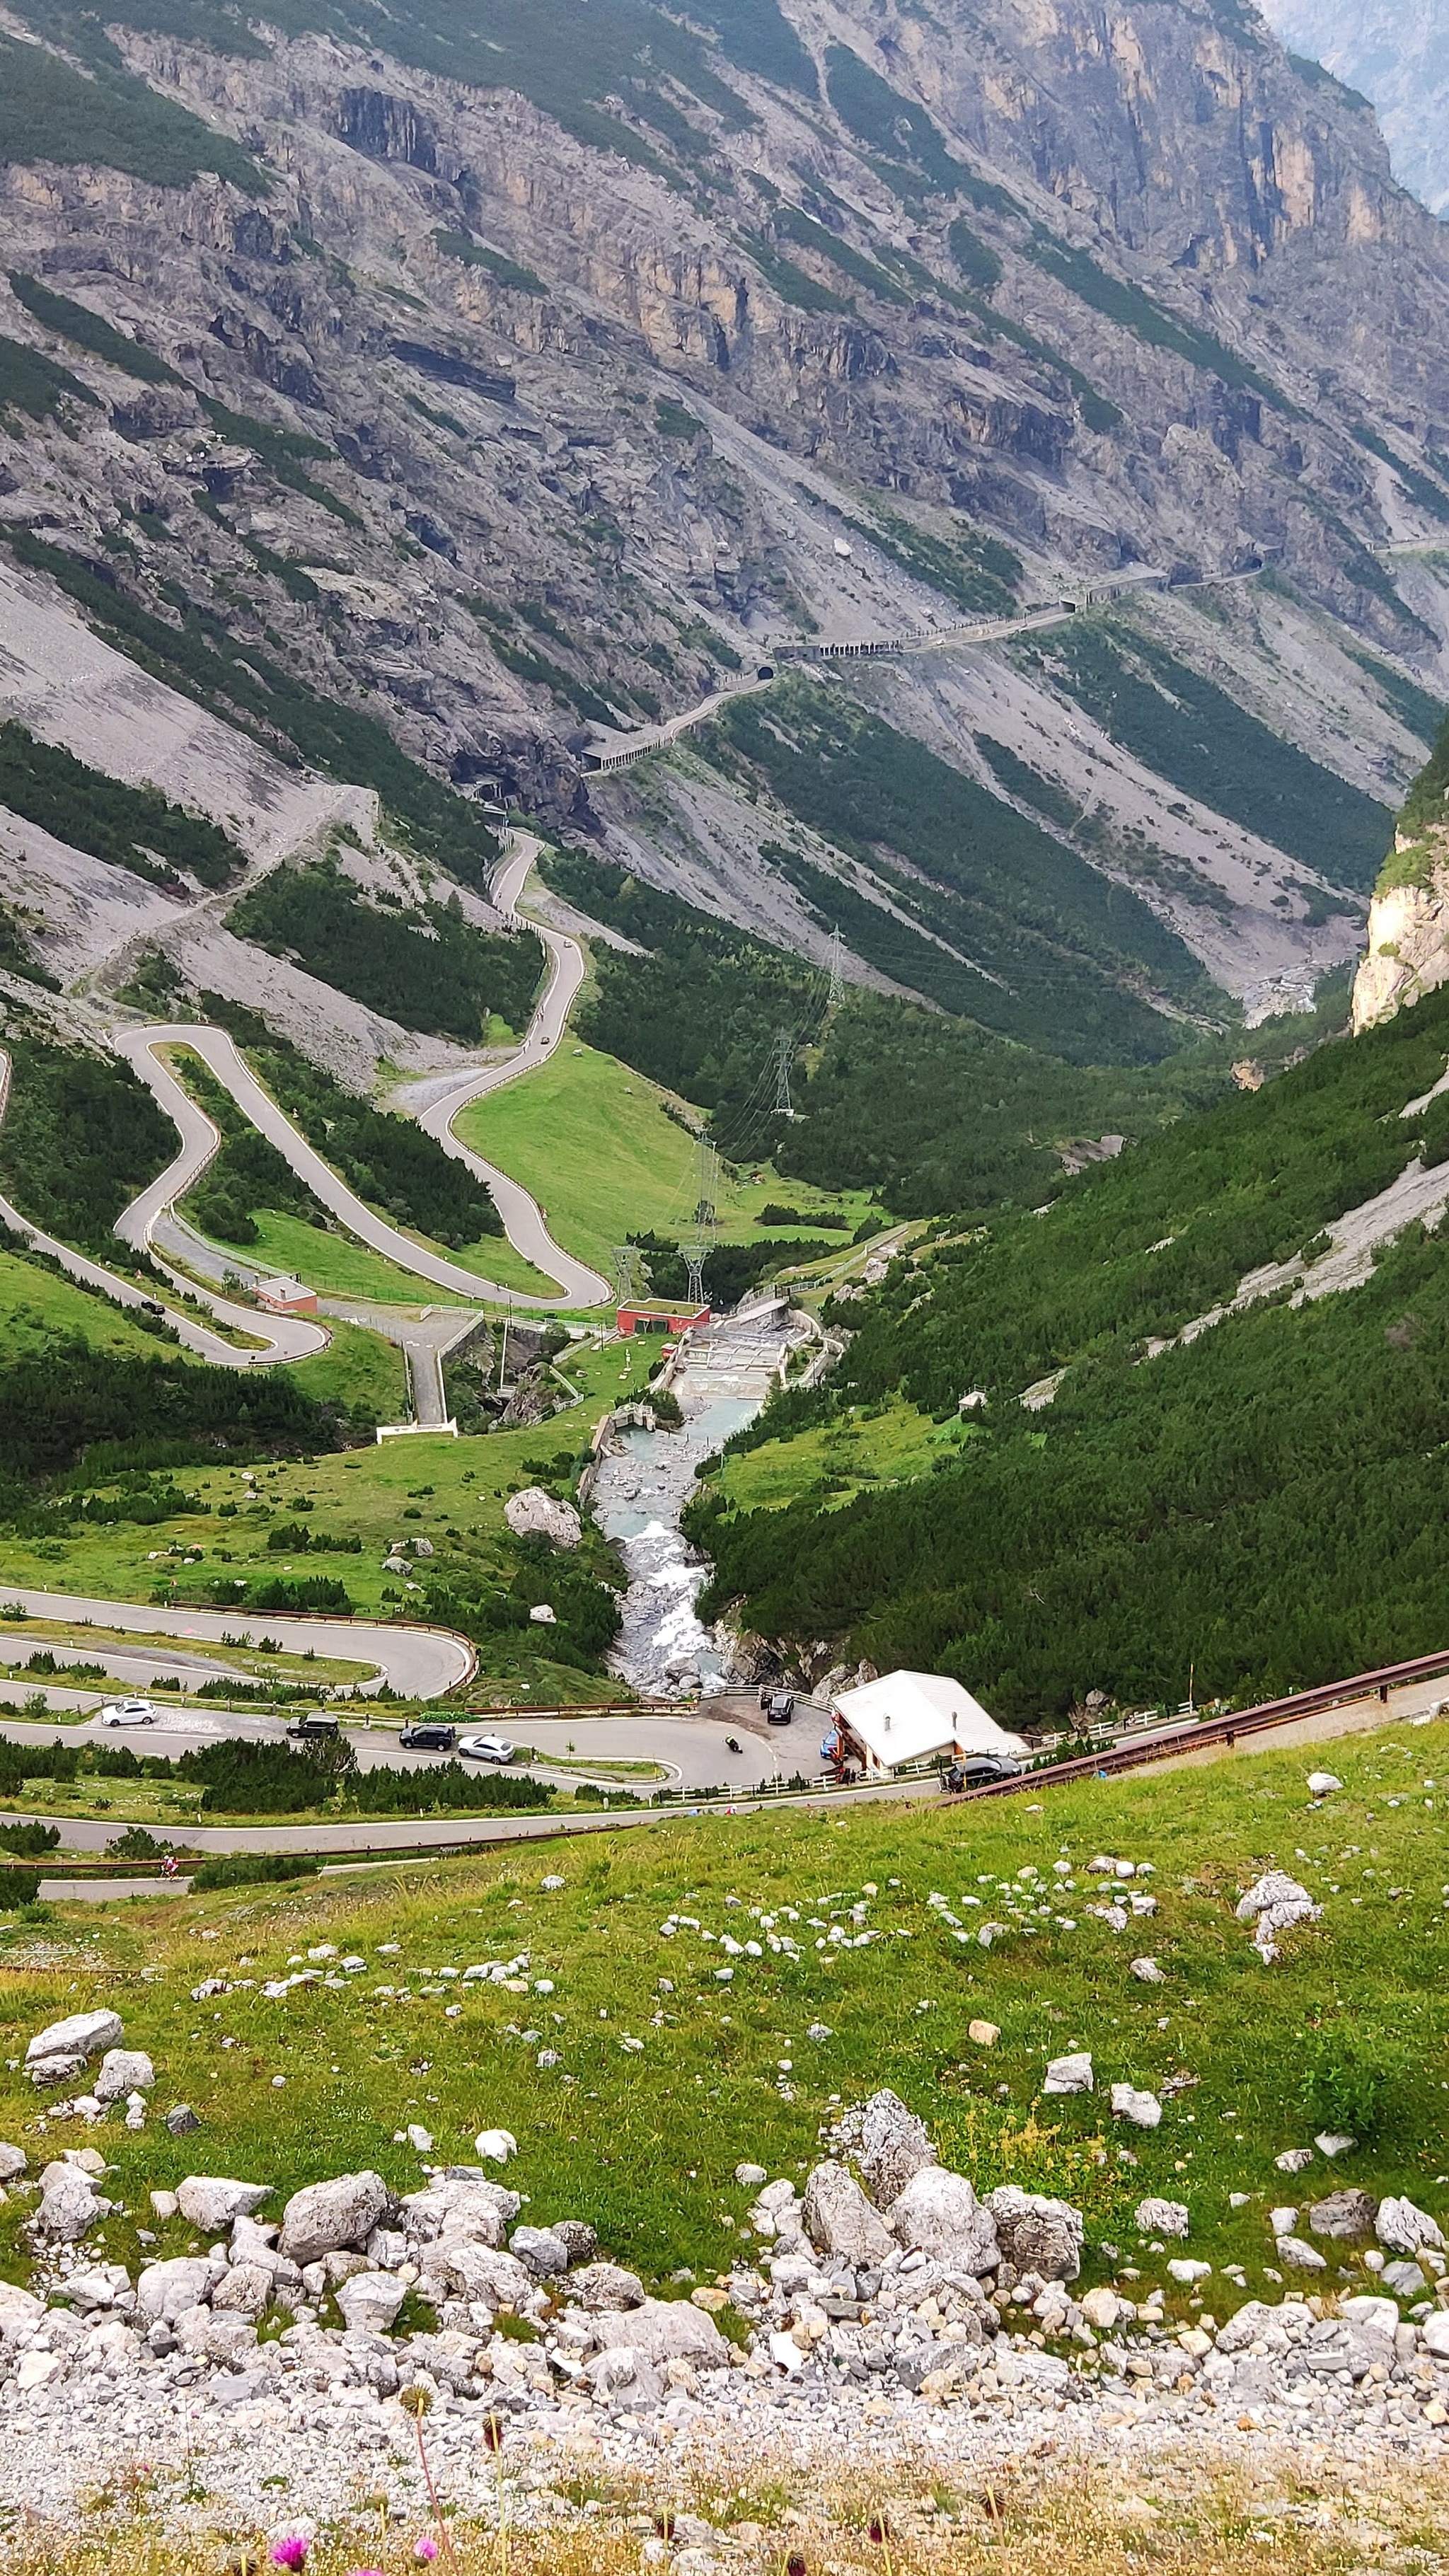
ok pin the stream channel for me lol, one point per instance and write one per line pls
(646, 1478)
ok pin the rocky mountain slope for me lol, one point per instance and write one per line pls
(497, 385)
(1397, 55)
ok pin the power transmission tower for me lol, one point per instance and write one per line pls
(784, 1049)
(695, 1250)
(837, 978)
(626, 1271)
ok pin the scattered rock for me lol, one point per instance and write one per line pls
(369, 2301)
(123, 2071)
(1185, 2270)
(79, 2036)
(166, 2291)
(1274, 1904)
(1294, 2160)
(13, 2161)
(1321, 1784)
(606, 2288)
(983, 2034)
(70, 2205)
(1332, 2142)
(1070, 2074)
(1101, 2308)
(748, 2175)
(1404, 2229)
(535, 1514)
(664, 2330)
(1299, 2255)
(497, 2145)
(182, 2120)
(1148, 1972)
(938, 2214)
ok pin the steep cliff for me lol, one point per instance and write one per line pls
(1396, 52)
(1408, 928)
(525, 379)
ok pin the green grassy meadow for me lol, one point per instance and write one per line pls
(875, 1444)
(598, 1147)
(1349, 2028)
(39, 1307)
(339, 1266)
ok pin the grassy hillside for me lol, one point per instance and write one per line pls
(610, 1156)
(1347, 2031)
(1254, 1508)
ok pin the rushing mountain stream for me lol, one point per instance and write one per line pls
(644, 1482)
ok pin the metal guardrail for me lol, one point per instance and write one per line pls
(1226, 1728)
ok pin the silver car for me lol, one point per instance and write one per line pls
(128, 1712)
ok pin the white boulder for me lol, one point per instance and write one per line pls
(1274, 1903)
(939, 2214)
(1404, 2229)
(1321, 1784)
(325, 2217)
(1142, 2109)
(840, 2220)
(371, 2300)
(535, 1514)
(212, 2201)
(1163, 2217)
(1071, 2074)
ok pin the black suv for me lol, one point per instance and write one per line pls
(305, 1729)
(429, 1737)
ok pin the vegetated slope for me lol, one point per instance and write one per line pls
(80, 1136)
(1348, 2027)
(387, 1160)
(1039, 945)
(134, 827)
(1256, 1507)
(1190, 731)
(429, 969)
(926, 1111)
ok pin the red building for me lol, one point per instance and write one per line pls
(656, 1315)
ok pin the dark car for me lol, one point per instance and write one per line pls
(980, 1769)
(305, 1730)
(779, 1708)
(429, 1738)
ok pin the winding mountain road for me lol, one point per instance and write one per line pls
(435, 1109)
(419, 1663)
(523, 1219)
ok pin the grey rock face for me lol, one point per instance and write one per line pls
(1037, 2233)
(886, 2143)
(840, 2220)
(326, 2216)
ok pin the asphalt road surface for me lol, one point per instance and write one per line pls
(419, 1663)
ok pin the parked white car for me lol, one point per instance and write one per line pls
(486, 1748)
(128, 1712)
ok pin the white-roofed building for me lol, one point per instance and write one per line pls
(912, 1717)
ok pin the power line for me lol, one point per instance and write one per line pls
(784, 1050)
(837, 977)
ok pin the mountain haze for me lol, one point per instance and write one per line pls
(1397, 53)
